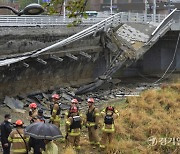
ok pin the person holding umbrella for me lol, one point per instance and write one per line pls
(18, 139)
(37, 144)
(46, 131)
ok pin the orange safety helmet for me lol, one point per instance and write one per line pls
(33, 105)
(55, 96)
(74, 109)
(19, 123)
(90, 100)
(74, 101)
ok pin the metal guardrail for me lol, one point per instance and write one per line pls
(43, 20)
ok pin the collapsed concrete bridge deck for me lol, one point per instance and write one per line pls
(103, 53)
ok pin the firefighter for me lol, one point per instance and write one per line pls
(37, 144)
(109, 114)
(33, 112)
(92, 122)
(55, 111)
(40, 116)
(18, 139)
(73, 128)
(74, 102)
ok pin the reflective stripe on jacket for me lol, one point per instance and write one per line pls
(108, 128)
(75, 131)
(18, 145)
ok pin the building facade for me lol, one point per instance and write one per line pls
(162, 6)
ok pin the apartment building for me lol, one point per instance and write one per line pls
(162, 6)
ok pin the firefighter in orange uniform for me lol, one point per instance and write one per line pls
(33, 112)
(73, 128)
(108, 129)
(18, 139)
(92, 122)
(55, 111)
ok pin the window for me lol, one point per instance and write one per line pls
(108, 1)
(137, 1)
(91, 13)
(122, 1)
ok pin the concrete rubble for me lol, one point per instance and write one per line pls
(102, 95)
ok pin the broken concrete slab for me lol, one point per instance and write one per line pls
(13, 103)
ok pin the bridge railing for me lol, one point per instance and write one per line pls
(42, 20)
(104, 24)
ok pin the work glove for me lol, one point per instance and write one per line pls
(95, 126)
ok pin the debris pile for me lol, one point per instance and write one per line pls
(43, 99)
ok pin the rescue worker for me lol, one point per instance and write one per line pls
(73, 128)
(50, 147)
(18, 139)
(6, 128)
(33, 112)
(92, 122)
(37, 144)
(55, 111)
(109, 114)
(40, 116)
(74, 102)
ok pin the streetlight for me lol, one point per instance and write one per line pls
(31, 9)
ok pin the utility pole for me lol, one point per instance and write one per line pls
(64, 9)
(169, 6)
(145, 11)
(154, 10)
(111, 7)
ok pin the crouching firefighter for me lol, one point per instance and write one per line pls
(73, 128)
(55, 111)
(92, 122)
(108, 129)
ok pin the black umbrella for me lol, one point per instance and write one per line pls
(41, 130)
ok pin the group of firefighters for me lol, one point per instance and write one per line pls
(74, 121)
